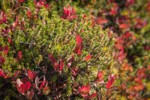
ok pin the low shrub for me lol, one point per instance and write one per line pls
(61, 56)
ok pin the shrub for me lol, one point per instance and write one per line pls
(66, 53)
(74, 49)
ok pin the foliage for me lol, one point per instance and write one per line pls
(75, 49)
(62, 50)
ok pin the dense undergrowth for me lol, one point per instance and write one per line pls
(75, 49)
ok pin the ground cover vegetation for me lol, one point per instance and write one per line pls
(75, 49)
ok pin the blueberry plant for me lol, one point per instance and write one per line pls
(74, 49)
(47, 54)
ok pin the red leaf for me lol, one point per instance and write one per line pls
(78, 48)
(43, 83)
(119, 44)
(84, 90)
(88, 57)
(93, 96)
(100, 77)
(2, 17)
(29, 13)
(121, 55)
(110, 81)
(127, 35)
(9, 40)
(61, 65)
(19, 54)
(56, 66)
(78, 40)
(69, 13)
(31, 74)
(39, 4)
(6, 49)
(20, 1)
(101, 21)
(124, 26)
(52, 59)
(22, 89)
(28, 85)
(46, 6)
(139, 87)
(24, 79)
(114, 9)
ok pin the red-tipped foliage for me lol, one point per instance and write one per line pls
(31, 74)
(69, 13)
(23, 87)
(19, 55)
(110, 81)
(84, 90)
(6, 49)
(3, 18)
(78, 48)
(88, 57)
(100, 77)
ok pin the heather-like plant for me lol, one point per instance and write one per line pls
(62, 49)
(65, 51)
